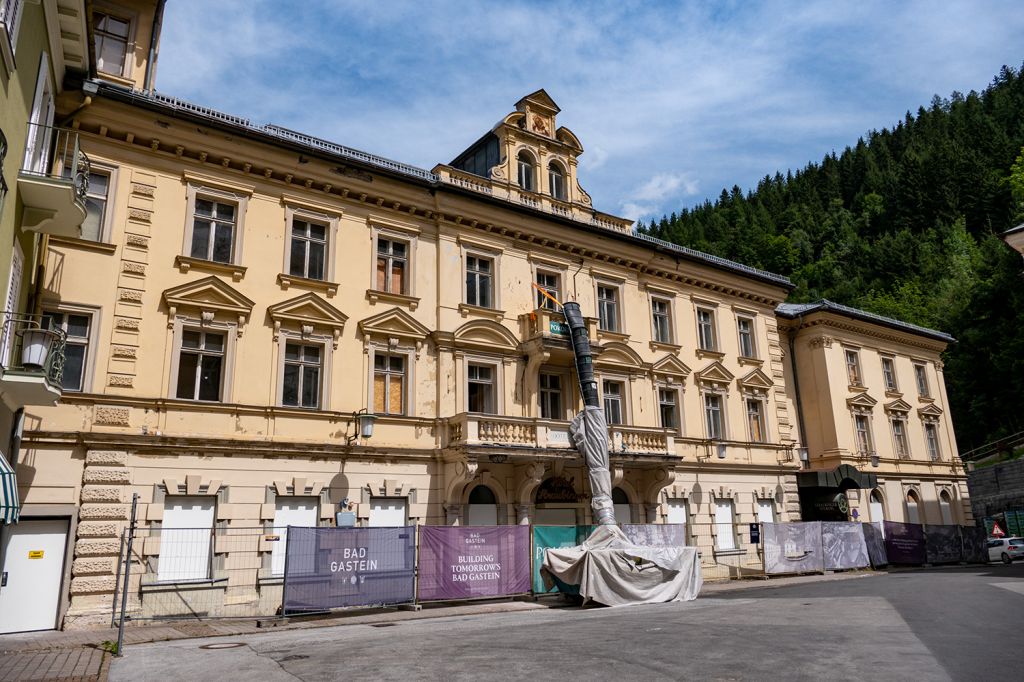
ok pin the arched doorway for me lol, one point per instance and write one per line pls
(623, 510)
(946, 508)
(556, 502)
(913, 507)
(483, 507)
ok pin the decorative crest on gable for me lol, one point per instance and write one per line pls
(210, 296)
(308, 311)
(715, 373)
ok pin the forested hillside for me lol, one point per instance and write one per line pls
(905, 223)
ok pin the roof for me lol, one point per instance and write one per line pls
(277, 135)
(794, 310)
(1013, 230)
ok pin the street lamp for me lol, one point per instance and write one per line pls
(364, 425)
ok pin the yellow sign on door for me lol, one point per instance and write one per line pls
(35, 554)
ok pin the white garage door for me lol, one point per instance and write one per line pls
(291, 511)
(388, 512)
(185, 538)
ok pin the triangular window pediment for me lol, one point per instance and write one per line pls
(898, 406)
(308, 311)
(485, 334)
(209, 294)
(715, 373)
(618, 354)
(540, 99)
(861, 401)
(756, 380)
(395, 322)
(671, 365)
(932, 410)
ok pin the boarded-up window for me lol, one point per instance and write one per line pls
(389, 383)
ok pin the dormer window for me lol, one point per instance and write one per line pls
(112, 38)
(525, 171)
(556, 181)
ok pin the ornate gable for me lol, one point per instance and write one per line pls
(485, 334)
(756, 381)
(861, 401)
(671, 366)
(898, 405)
(394, 323)
(210, 296)
(617, 354)
(308, 311)
(715, 373)
(930, 412)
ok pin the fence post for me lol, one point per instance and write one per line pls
(127, 572)
(117, 574)
(284, 578)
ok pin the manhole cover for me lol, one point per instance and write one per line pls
(223, 645)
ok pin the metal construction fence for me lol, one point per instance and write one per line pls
(247, 572)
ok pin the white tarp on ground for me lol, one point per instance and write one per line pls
(613, 571)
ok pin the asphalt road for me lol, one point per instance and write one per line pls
(937, 624)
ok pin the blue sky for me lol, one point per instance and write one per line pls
(672, 101)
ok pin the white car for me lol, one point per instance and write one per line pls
(1005, 549)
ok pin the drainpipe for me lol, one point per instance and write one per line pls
(796, 383)
(154, 38)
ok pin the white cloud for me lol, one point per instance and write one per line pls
(665, 185)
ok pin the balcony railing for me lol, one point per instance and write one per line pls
(32, 355)
(53, 181)
(528, 432)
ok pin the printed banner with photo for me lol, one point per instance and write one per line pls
(656, 534)
(329, 568)
(904, 543)
(876, 544)
(975, 544)
(468, 562)
(554, 537)
(844, 545)
(792, 547)
(943, 544)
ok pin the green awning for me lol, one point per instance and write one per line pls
(10, 509)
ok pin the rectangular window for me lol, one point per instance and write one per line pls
(863, 432)
(706, 337)
(96, 197)
(292, 511)
(308, 250)
(713, 415)
(389, 383)
(608, 308)
(612, 392)
(186, 536)
(302, 369)
(76, 348)
(889, 374)
(551, 396)
(922, 381)
(678, 512)
(931, 435)
(392, 266)
(765, 511)
(479, 281)
(853, 368)
(480, 392)
(899, 435)
(668, 408)
(745, 326)
(200, 365)
(661, 317)
(111, 34)
(548, 281)
(213, 230)
(725, 536)
(755, 421)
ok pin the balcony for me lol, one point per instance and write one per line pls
(549, 434)
(53, 181)
(33, 361)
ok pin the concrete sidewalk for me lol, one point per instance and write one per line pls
(79, 655)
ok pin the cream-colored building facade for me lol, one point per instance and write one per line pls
(249, 293)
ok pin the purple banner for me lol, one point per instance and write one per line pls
(468, 562)
(329, 568)
(904, 543)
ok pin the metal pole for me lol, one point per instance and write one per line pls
(127, 571)
(120, 563)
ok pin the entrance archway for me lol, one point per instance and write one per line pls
(482, 509)
(623, 510)
(556, 503)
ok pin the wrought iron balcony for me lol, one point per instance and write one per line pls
(53, 181)
(33, 360)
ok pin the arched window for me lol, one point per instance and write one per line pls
(556, 181)
(483, 507)
(623, 512)
(913, 515)
(526, 171)
(877, 506)
(946, 508)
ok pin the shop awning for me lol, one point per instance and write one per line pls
(10, 509)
